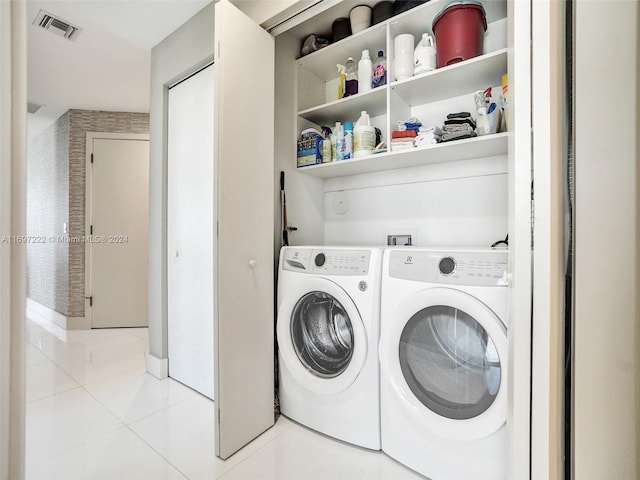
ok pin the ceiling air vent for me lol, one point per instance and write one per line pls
(56, 25)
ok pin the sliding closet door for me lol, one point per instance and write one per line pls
(190, 231)
(244, 97)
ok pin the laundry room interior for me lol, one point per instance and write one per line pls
(367, 254)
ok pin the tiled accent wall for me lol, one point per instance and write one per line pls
(81, 122)
(47, 210)
(56, 194)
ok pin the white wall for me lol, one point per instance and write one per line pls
(13, 134)
(305, 207)
(185, 51)
(606, 240)
(462, 204)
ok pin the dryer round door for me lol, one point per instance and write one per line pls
(445, 353)
(321, 336)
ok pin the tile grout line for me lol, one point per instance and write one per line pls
(252, 454)
(151, 447)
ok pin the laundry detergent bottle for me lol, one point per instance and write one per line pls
(364, 136)
(379, 71)
(424, 55)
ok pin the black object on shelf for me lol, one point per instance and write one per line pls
(341, 28)
(400, 6)
(381, 12)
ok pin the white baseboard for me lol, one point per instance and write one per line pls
(45, 313)
(158, 367)
(42, 313)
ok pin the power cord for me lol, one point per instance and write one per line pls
(500, 242)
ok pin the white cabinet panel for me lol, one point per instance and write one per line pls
(244, 143)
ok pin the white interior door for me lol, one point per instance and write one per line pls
(119, 218)
(190, 238)
(244, 117)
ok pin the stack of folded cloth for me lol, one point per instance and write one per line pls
(428, 136)
(457, 126)
(402, 140)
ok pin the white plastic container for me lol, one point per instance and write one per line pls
(348, 141)
(365, 72)
(404, 47)
(339, 132)
(425, 55)
(360, 18)
(334, 141)
(364, 136)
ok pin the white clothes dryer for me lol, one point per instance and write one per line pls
(443, 358)
(328, 330)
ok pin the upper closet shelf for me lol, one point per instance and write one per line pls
(418, 20)
(476, 73)
(373, 101)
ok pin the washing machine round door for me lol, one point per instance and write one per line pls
(321, 336)
(446, 352)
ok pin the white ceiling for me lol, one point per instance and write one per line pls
(107, 67)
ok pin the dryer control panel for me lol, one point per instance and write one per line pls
(480, 268)
(327, 261)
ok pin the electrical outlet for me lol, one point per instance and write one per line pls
(399, 240)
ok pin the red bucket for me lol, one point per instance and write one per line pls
(459, 29)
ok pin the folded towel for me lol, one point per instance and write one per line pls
(428, 141)
(403, 134)
(461, 121)
(447, 137)
(457, 129)
(435, 130)
(458, 115)
(401, 146)
(428, 136)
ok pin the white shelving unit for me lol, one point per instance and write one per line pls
(318, 103)
(467, 149)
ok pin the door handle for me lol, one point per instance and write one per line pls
(252, 264)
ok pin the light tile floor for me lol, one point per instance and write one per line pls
(93, 413)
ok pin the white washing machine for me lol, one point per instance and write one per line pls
(443, 360)
(328, 330)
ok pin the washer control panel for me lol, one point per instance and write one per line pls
(327, 261)
(481, 267)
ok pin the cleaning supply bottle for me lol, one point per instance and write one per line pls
(342, 71)
(365, 72)
(424, 55)
(351, 79)
(334, 142)
(339, 132)
(326, 145)
(364, 136)
(348, 141)
(379, 77)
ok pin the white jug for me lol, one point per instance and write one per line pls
(425, 55)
